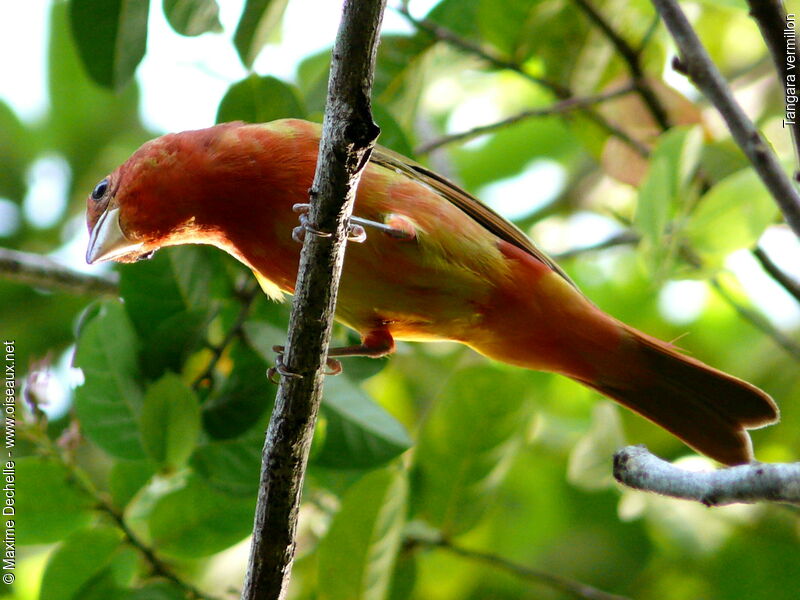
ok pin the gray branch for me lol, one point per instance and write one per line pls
(348, 136)
(771, 18)
(635, 467)
(40, 271)
(696, 63)
(560, 107)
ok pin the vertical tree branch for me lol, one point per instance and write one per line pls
(347, 139)
(780, 38)
(696, 63)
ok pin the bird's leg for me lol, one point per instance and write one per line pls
(397, 226)
(374, 345)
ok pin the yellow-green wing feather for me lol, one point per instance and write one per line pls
(476, 209)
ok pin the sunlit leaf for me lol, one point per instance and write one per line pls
(464, 447)
(77, 560)
(258, 99)
(126, 478)
(197, 520)
(590, 462)
(111, 36)
(259, 19)
(193, 17)
(731, 215)
(664, 194)
(49, 503)
(357, 556)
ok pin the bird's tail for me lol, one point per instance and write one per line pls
(708, 409)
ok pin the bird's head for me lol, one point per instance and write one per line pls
(152, 200)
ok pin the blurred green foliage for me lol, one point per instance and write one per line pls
(435, 445)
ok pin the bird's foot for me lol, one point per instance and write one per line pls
(397, 227)
(334, 367)
(355, 233)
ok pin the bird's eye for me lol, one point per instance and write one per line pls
(100, 190)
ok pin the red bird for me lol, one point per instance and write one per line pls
(438, 265)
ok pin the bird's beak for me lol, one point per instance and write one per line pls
(107, 242)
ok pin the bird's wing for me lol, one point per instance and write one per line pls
(476, 209)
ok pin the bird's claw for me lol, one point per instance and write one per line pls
(333, 365)
(355, 233)
(280, 368)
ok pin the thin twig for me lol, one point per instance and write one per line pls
(771, 18)
(452, 38)
(623, 238)
(157, 566)
(757, 320)
(560, 91)
(247, 296)
(787, 282)
(696, 63)
(632, 59)
(636, 467)
(348, 135)
(576, 588)
(555, 109)
(43, 272)
(37, 434)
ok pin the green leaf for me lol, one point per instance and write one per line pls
(655, 200)
(360, 434)
(109, 401)
(731, 215)
(170, 301)
(193, 17)
(92, 134)
(357, 556)
(465, 446)
(665, 192)
(312, 79)
(77, 560)
(244, 397)
(258, 99)
(15, 154)
(392, 135)
(126, 478)
(508, 29)
(159, 590)
(197, 520)
(170, 422)
(175, 280)
(459, 16)
(232, 466)
(49, 503)
(259, 19)
(672, 165)
(111, 36)
(591, 460)
(398, 76)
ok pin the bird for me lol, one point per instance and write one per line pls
(436, 265)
